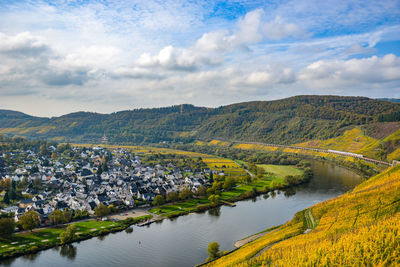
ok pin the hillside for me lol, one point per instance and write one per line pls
(356, 141)
(291, 120)
(359, 228)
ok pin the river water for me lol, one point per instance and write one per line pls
(183, 241)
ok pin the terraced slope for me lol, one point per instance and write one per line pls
(359, 228)
(356, 141)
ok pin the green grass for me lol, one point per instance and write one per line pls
(281, 171)
(278, 173)
(186, 206)
(27, 241)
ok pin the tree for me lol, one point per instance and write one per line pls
(105, 167)
(7, 184)
(172, 196)
(213, 251)
(247, 179)
(158, 200)
(13, 194)
(214, 199)
(29, 220)
(67, 216)
(185, 194)
(229, 183)
(53, 155)
(260, 172)
(201, 191)
(68, 235)
(7, 226)
(34, 169)
(211, 178)
(24, 182)
(56, 217)
(99, 170)
(101, 210)
(6, 198)
(37, 183)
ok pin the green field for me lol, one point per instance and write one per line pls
(48, 237)
(281, 171)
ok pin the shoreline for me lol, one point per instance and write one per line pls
(151, 217)
(45, 244)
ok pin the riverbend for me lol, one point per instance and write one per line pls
(183, 241)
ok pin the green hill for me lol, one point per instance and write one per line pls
(291, 120)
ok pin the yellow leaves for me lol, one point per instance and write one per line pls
(256, 147)
(351, 141)
(359, 228)
(219, 143)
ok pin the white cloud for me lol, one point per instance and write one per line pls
(279, 29)
(338, 73)
(22, 44)
(143, 53)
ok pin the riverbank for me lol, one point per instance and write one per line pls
(368, 214)
(253, 237)
(44, 238)
(183, 241)
(272, 180)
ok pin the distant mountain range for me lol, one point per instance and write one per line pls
(393, 100)
(291, 120)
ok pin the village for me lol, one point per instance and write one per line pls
(48, 180)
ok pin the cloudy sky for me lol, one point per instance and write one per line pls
(60, 56)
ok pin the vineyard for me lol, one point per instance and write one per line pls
(359, 228)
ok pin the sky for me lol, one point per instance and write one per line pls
(58, 57)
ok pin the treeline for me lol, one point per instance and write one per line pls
(393, 116)
(289, 120)
(19, 143)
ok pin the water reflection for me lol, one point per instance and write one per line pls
(101, 237)
(183, 241)
(68, 251)
(290, 192)
(129, 230)
(216, 212)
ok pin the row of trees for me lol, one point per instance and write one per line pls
(31, 219)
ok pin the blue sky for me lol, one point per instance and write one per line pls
(64, 56)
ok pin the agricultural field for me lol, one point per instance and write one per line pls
(356, 141)
(219, 143)
(366, 231)
(281, 171)
(256, 147)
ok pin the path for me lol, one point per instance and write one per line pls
(311, 224)
(249, 239)
(248, 172)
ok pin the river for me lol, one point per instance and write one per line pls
(183, 241)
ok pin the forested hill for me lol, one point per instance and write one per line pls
(289, 120)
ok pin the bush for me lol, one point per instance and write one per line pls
(68, 235)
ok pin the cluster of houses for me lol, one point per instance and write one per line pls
(92, 176)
